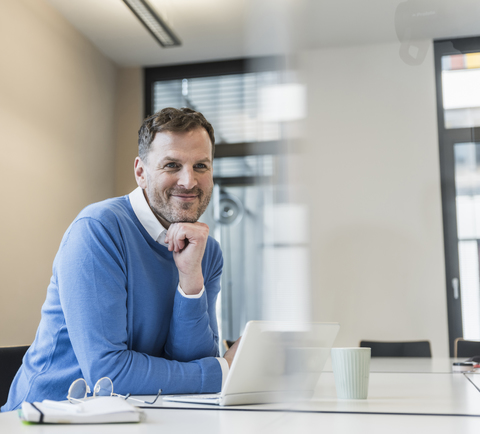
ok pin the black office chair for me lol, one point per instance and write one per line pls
(10, 361)
(466, 348)
(399, 349)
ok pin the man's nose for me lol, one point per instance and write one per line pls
(187, 178)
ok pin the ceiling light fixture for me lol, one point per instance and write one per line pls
(153, 22)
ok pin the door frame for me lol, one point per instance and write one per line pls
(447, 138)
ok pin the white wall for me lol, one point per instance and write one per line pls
(372, 179)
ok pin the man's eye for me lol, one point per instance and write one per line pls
(200, 166)
(171, 165)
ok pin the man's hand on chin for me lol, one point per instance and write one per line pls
(187, 241)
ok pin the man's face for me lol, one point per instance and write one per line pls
(177, 177)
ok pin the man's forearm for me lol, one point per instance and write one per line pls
(193, 330)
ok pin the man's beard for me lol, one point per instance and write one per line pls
(179, 212)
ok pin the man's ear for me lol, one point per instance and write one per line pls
(140, 174)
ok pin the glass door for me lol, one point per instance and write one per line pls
(457, 67)
(467, 200)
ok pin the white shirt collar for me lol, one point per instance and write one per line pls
(146, 216)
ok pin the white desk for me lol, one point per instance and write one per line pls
(237, 422)
(438, 402)
(409, 364)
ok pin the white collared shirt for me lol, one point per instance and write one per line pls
(156, 230)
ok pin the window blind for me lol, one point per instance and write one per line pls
(229, 102)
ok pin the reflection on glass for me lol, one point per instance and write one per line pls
(265, 250)
(251, 165)
(467, 184)
(264, 243)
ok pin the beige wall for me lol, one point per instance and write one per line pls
(129, 115)
(374, 187)
(57, 98)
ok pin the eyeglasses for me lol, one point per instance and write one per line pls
(79, 390)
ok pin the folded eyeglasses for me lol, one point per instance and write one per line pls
(79, 390)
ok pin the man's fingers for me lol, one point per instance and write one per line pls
(180, 244)
(172, 237)
(179, 235)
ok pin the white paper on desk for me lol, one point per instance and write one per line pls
(104, 409)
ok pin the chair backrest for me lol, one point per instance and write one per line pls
(227, 344)
(10, 362)
(466, 348)
(399, 349)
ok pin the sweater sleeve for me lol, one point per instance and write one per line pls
(91, 273)
(193, 328)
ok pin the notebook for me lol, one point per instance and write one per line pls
(102, 409)
(274, 362)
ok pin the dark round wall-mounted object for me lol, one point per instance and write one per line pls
(231, 209)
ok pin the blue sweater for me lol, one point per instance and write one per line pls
(113, 309)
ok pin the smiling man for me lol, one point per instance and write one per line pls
(175, 174)
(135, 281)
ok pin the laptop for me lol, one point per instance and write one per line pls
(274, 362)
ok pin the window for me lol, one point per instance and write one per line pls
(457, 64)
(230, 102)
(228, 94)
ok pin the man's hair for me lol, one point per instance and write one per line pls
(174, 120)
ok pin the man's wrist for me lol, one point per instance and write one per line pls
(191, 285)
(224, 367)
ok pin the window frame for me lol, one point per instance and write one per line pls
(447, 138)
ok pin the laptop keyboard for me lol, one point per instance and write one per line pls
(198, 396)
